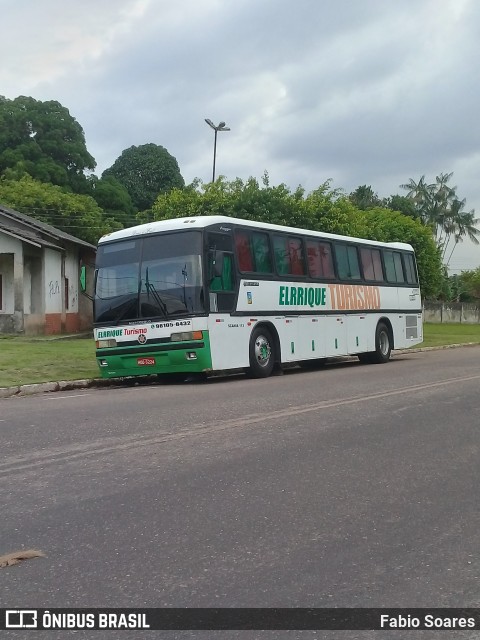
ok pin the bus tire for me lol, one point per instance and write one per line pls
(365, 358)
(383, 345)
(261, 353)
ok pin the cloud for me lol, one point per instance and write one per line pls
(370, 92)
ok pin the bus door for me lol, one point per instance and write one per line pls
(221, 280)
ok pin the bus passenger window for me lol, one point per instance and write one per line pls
(243, 251)
(281, 255)
(289, 256)
(319, 255)
(372, 264)
(295, 250)
(393, 266)
(261, 251)
(347, 262)
(410, 269)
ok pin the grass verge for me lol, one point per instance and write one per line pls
(30, 360)
(436, 335)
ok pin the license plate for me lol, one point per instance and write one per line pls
(145, 362)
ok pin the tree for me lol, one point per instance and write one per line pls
(146, 171)
(439, 207)
(403, 204)
(460, 224)
(76, 214)
(114, 199)
(364, 198)
(43, 140)
(468, 285)
(324, 209)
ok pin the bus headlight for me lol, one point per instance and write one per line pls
(184, 336)
(105, 344)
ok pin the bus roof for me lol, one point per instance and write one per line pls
(200, 222)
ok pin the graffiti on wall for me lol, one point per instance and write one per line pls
(53, 288)
(72, 295)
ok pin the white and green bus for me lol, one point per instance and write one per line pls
(213, 293)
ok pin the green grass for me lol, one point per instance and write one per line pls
(436, 335)
(29, 360)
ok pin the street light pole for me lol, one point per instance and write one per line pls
(219, 127)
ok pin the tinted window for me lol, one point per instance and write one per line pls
(253, 251)
(347, 262)
(371, 264)
(243, 251)
(220, 252)
(393, 266)
(149, 277)
(320, 263)
(410, 270)
(289, 258)
(261, 252)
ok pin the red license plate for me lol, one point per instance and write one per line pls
(145, 362)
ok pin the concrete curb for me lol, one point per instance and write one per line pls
(438, 348)
(69, 385)
(62, 385)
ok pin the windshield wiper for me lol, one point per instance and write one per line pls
(156, 296)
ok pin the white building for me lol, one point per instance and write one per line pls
(39, 277)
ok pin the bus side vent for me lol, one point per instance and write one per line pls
(411, 327)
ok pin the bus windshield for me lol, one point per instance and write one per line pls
(149, 278)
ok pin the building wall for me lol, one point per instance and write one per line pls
(11, 268)
(41, 290)
(53, 291)
(53, 281)
(6, 271)
(64, 312)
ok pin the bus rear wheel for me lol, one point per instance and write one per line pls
(383, 347)
(261, 353)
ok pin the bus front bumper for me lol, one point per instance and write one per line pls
(144, 360)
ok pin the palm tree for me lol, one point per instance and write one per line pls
(418, 192)
(439, 207)
(462, 223)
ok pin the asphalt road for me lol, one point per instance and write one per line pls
(350, 486)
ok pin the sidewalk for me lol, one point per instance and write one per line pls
(69, 385)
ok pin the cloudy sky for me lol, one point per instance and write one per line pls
(360, 91)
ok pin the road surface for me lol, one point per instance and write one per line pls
(351, 486)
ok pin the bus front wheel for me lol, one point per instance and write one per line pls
(262, 353)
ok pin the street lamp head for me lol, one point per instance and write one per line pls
(220, 127)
